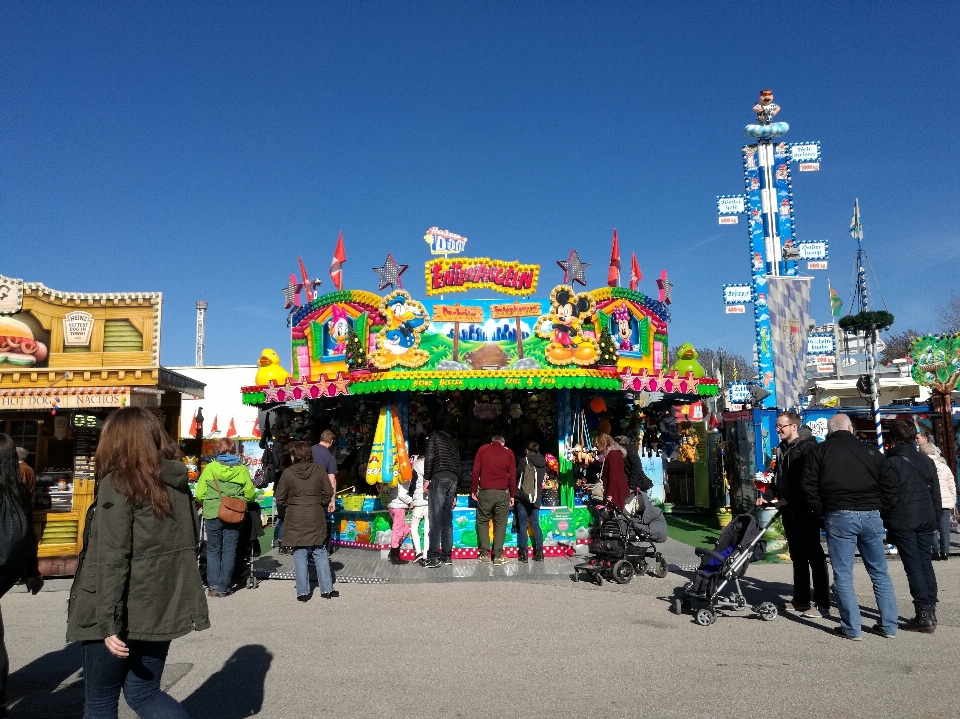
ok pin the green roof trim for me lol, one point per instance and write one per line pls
(427, 381)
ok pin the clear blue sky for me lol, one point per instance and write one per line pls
(198, 148)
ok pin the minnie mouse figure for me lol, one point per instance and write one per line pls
(624, 331)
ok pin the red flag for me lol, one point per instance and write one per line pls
(613, 274)
(306, 281)
(635, 274)
(213, 427)
(336, 267)
(232, 429)
(256, 428)
(193, 426)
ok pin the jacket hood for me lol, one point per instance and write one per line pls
(537, 460)
(302, 470)
(225, 472)
(806, 434)
(229, 460)
(174, 473)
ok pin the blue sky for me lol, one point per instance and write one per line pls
(198, 148)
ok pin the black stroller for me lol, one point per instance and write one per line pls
(622, 542)
(740, 543)
(248, 549)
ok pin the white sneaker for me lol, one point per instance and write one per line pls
(891, 549)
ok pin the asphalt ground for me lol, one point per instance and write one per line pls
(513, 645)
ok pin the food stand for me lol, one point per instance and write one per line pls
(67, 360)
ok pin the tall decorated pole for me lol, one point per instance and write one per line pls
(774, 250)
(866, 321)
(935, 363)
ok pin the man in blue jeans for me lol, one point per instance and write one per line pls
(441, 468)
(851, 485)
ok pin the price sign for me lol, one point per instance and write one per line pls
(87, 421)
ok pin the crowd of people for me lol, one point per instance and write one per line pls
(137, 587)
(863, 499)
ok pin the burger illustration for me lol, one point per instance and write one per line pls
(17, 345)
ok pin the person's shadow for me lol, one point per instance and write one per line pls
(236, 690)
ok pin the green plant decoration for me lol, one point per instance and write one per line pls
(607, 355)
(867, 320)
(936, 361)
(356, 352)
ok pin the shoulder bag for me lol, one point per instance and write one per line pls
(232, 509)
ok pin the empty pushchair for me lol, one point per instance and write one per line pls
(740, 543)
(622, 541)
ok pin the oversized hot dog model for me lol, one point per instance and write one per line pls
(17, 345)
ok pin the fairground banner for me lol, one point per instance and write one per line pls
(789, 304)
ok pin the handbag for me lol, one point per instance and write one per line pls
(232, 509)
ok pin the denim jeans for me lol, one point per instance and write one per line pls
(302, 571)
(848, 531)
(945, 515)
(914, 549)
(525, 511)
(222, 541)
(277, 530)
(806, 555)
(441, 501)
(138, 676)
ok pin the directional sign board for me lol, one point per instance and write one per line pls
(804, 152)
(813, 250)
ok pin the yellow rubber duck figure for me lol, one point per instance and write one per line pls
(270, 369)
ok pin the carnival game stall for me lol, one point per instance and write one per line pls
(384, 371)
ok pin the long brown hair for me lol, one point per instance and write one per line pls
(129, 450)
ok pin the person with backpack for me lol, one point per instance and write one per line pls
(137, 587)
(223, 485)
(530, 472)
(18, 543)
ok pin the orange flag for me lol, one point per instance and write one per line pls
(193, 426)
(232, 429)
(255, 432)
(213, 427)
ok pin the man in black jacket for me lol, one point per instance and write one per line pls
(850, 484)
(913, 521)
(800, 524)
(441, 468)
(633, 465)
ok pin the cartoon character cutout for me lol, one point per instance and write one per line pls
(782, 172)
(562, 326)
(622, 317)
(784, 207)
(339, 329)
(398, 342)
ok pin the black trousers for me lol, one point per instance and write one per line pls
(809, 561)
(914, 549)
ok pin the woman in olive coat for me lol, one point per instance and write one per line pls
(303, 493)
(137, 586)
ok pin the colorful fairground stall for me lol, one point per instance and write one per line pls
(66, 361)
(384, 371)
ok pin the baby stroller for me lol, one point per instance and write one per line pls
(248, 548)
(621, 542)
(739, 544)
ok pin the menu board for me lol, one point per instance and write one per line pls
(83, 466)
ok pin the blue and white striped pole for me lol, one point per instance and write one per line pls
(856, 230)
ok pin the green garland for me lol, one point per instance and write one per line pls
(877, 320)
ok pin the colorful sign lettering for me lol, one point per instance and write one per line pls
(444, 243)
(459, 313)
(460, 275)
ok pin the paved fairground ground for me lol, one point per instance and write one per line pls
(519, 640)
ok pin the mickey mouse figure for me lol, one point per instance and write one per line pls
(568, 345)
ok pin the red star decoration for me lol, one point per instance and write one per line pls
(340, 385)
(627, 380)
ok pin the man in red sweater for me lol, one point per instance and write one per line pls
(493, 488)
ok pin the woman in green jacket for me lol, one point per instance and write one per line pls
(226, 476)
(137, 586)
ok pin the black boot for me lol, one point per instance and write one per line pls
(538, 555)
(522, 555)
(395, 557)
(933, 613)
(923, 622)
